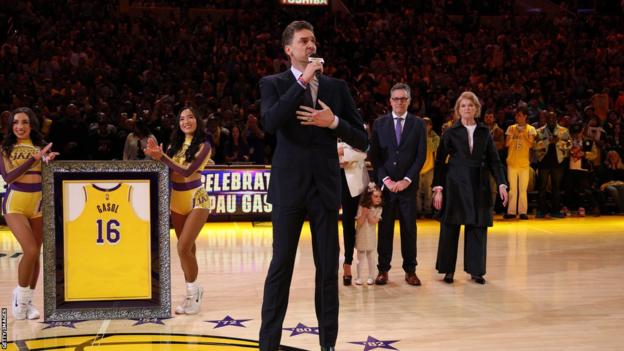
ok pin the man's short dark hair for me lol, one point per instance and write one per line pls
(295, 26)
(402, 86)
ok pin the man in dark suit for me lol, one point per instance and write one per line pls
(307, 112)
(398, 150)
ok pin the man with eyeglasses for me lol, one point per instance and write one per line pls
(398, 150)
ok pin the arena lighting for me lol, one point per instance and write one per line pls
(305, 2)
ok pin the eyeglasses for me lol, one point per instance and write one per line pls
(399, 99)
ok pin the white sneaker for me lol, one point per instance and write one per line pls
(19, 305)
(358, 281)
(33, 312)
(370, 281)
(194, 301)
(182, 307)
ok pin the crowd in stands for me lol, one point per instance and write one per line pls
(94, 75)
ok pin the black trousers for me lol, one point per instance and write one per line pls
(403, 207)
(556, 175)
(475, 248)
(287, 223)
(349, 210)
(579, 191)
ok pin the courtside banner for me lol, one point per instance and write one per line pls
(237, 193)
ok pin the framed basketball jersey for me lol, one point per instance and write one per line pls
(106, 240)
(107, 237)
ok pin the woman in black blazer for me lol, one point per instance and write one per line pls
(463, 183)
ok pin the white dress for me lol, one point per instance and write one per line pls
(366, 234)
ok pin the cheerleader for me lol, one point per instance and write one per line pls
(186, 157)
(23, 149)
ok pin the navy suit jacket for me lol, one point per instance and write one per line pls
(403, 160)
(306, 157)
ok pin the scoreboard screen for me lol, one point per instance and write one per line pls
(304, 2)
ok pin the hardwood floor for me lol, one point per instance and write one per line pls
(551, 285)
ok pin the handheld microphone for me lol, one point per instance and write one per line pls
(314, 58)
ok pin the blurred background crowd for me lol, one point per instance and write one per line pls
(104, 75)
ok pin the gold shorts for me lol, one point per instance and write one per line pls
(22, 198)
(186, 197)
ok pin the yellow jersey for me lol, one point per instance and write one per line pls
(180, 156)
(520, 147)
(107, 247)
(22, 151)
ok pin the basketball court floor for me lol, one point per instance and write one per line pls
(551, 285)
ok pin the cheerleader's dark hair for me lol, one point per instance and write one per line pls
(10, 139)
(177, 137)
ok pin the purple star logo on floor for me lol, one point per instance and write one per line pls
(66, 324)
(141, 321)
(229, 322)
(372, 343)
(303, 329)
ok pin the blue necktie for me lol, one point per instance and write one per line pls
(397, 129)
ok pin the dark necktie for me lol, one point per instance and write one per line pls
(309, 96)
(398, 129)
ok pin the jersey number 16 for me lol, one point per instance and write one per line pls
(112, 231)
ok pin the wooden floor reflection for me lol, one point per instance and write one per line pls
(551, 285)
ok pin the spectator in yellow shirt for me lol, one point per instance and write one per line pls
(519, 140)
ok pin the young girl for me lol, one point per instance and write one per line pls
(186, 156)
(368, 214)
(23, 149)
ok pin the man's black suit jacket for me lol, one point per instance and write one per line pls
(403, 160)
(306, 156)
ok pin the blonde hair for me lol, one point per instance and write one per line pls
(618, 159)
(467, 95)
